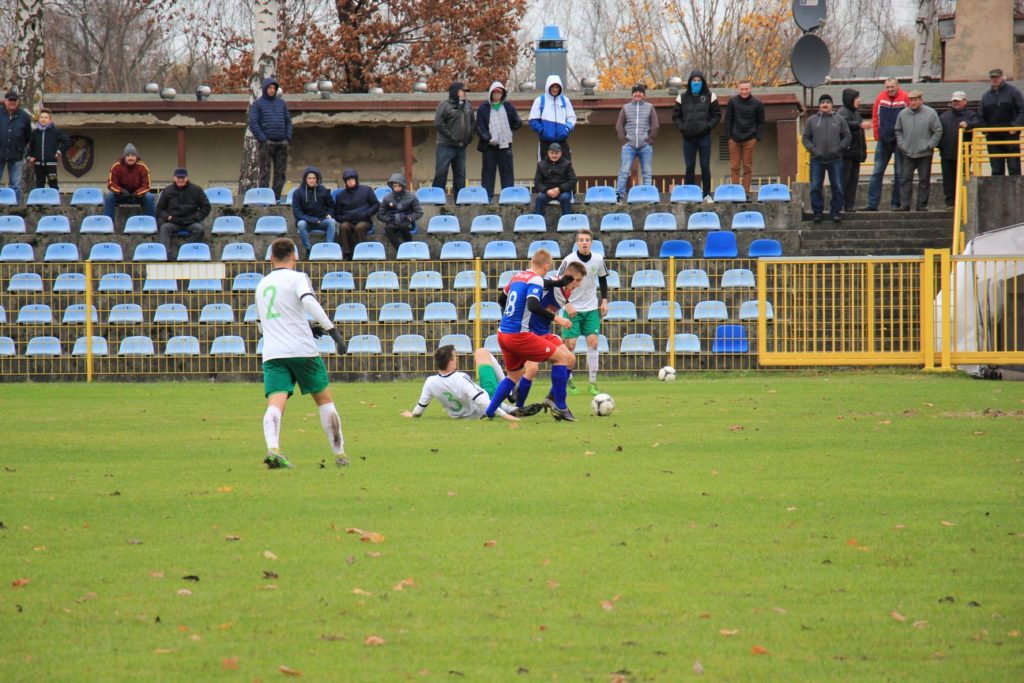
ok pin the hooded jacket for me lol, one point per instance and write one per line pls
(134, 178)
(46, 142)
(355, 204)
(558, 174)
(637, 124)
(399, 209)
(483, 117)
(269, 119)
(826, 136)
(312, 204)
(454, 119)
(15, 132)
(950, 120)
(182, 205)
(884, 113)
(858, 149)
(918, 132)
(744, 119)
(696, 115)
(552, 118)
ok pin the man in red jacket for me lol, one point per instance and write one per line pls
(128, 183)
(888, 105)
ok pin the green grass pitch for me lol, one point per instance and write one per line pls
(819, 527)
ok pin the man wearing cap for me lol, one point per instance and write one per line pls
(182, 208)
(1002, 106)
(15, 134)
(637, 126)
(744, 126)
(128, 183)
(918, 131)
(826, 137)
(888, 105)
(555, 179)
(952, 120)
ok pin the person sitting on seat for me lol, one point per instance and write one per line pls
(399, 211)
(128, 183)
(555, 179)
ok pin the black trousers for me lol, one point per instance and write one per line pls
(273, 154)
(397, 235)
(500, 160)
(949, 181)
(851, 178)
(46, 173)
(923, 166)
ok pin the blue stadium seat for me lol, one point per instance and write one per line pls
(597, 247)
(613, 279)
(647, 279)
(488, 224)
(271, 225)
(11, 224)
(259, 196)
(456, 250)
(602, 345)
(659, 310)
(710, 310)
(150, 251)
(764, 247)
(631, 249)
(205, 284)
(337, 281)
(395, 312)
(500, 249)
(738, 277)
(720, 244)
(704, 220)
(489, 312)
(140, 224)
(219, 196)
(774, 192)
(106, 251)
(153, 285)
(660, 220)
(693, 278)
(51, 225)
(379, 192)
(34, 314)
(409, 344)
(217, 314)
(228, 225)
(43, 196)
(550, 245)
(25, 282)
(115, 283)
(184, 345)
(730, 339)
(140, 345)
(412, 251)
(431, 195)
(676, 248)
(125, 314)
(443, 225)
(505, 278)
(171, 314)
(730, 193)
(748, 310)
(425, 279)
(44, 346)
(491, 344)
(251, 314)
(472, 194)
(228, 345)
(246, 282)
(351, 312)
(461, 342)
(621, 311)
(70, 283)
(517, 194)
(291, 193)
(194, 251)
(466, 279)
(748, 220)
(294, 251)
(616, 222)
(17, 252)
(686, 193)
(325, 345)
(364, 344)
(87, 196)
(259, 347)
(685, 343)
(75, 315)
(600, 194)
(573, 222)
(440, 312)
(637, 343)
(99, 347)
(530, 222)
(96, 225)
(643, 194)
(381, 280)
(7, 197)
(238, 251)
(7, 347)
(369, 251)
(326, 251)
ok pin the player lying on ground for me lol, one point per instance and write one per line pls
(290, 354)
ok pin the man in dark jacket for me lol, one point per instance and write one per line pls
(128, 183)
(354, 209)
(47, 146)
(15, 132)
(271, 125)
(182, 207)
(695, 115)
(399, 211)
(857, 152)
(313, 208)
(555, 179)
(496, 119)
(952, 120)
(826, 137)
(1001, 107)
(454, 123)
(744, 126)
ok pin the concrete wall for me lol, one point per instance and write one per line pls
(984, 40)
(994, 202)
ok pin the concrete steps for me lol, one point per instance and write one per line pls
(877, 233)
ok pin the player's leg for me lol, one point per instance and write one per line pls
(278, 383)
(530, 371)
(514, 363)
(590, 327)
(561, 359)
(312, 379)
(571, 336)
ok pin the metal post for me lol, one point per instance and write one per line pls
(478, 300)
(928, 309)
(947, 310)
(88, 322)
(407, 151)
(671, 311)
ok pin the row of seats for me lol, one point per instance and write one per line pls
(136, 225)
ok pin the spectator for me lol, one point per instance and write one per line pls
(182, 206)
(555, 179)
(1002, 106)
(313, 208)
(399, 211)
(271, 125)
(15, 133)
(826, 136)
(637, 126)
(454, 122)
(857, 152)
(553, 118)
(918, 131)
(744, 126)
(47, 146)
(952, 120)
(695, 115)
(495, 121)
(354, 209)
(888, 105)
(128, 182)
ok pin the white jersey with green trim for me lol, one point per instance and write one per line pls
(585, 297)
(458, 394)
(286, 332)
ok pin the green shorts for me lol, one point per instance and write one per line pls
(281, 374)
(488, 380)
(584, 323)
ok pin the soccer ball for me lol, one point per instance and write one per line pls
(603, 405)
(667, 374)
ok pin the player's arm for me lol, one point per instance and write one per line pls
(421, 404)
(602, 283)
(320, 318)
(535, 307)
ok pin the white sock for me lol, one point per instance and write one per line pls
(272, 427)
(592, 364)
(331, 422)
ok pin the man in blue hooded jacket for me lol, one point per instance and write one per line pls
(271, 125)
(313, 208)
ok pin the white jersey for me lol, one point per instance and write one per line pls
(458, 393)
(286, 332)
(585, 297)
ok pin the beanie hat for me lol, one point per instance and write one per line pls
(825, 98)
(130, 149)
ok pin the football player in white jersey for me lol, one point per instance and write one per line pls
(290, 354)
(585, 308)
(456, 391)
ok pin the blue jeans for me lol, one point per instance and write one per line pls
(629, 152)
(14, 171)
(834, 169)
(449, 155)
(326, 225)
(565, 199)
(690, 149)
(146, 201)
(883, 151)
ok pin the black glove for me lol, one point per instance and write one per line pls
(125, 194)
(339, 340)
(317, 330)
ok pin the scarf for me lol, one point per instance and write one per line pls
(501, 134)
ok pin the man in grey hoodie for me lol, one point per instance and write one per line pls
(454, 123)
(826, 137)
(637, 126)
(918, 130)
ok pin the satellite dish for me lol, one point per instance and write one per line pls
(808, 14)
(810, 61)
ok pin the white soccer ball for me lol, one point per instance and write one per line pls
(603, 405)
(667, 374)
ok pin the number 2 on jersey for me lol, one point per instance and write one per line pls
(271, 293)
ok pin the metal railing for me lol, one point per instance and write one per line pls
(974, 158)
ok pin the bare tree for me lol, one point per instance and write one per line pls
(264, 64)
(28, 19)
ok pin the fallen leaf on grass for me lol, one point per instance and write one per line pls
(163, 650)
(288, 671)
(490, 544)
(900, 526)
(552, 584)
(897, 616)
(372, 537)
(87, 597)
(403, 584)
(945, 523)
(157, 575)
(374, 640)
(23, 581)
(184, 591)
(224, 489)
(609, 605)
(452, 493)
(920, 623)
(196, 637)
(698, 668)
(727, 632)
(373, 553)
(232, 538)
(270, 575)
(791, 508)
(360, 591)
(269, 555)
(780, 610)
(736, 428)
(705, 615)
(759, 650)
(588, 452)
(885, 422)
(980, 635)
(1014, 633)
(268, 587)
(229, 663)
